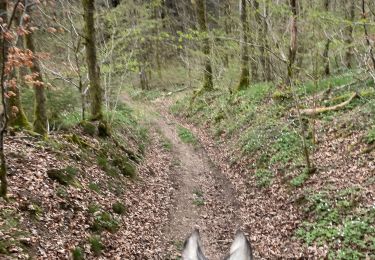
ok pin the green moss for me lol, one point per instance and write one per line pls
(119, 208)
(20, 121)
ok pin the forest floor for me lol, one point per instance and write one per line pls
(209, 194)
(202, 197)
(271, 216)
(186, 180)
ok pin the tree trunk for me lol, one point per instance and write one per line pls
(17, 117)
(371, 48)
(293, 41)
(143, 77)
(202, 23)
(263, 40)
(227, 28)
(3, 115)
(245, 75)
(327, 69)
(96, 92)
(40, 112)
(350, 15)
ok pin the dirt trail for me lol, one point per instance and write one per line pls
(202, 196)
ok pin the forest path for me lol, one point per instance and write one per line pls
(202, 195)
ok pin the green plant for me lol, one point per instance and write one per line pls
(65, 176)
(102, 162)
(299, 179)
(179, 244)
(78, 253)
(198, 198)
(61, 192)
(287, 147)
(35, 210)
(166, 144)
(4, 248)
(104, 221)
(348, 233)
(93, 207)
(370, 137)
(263, 177)
(96, 245)
(118, 208)
(198, 202)
(94, 186)
(10, 225)
(186, 136)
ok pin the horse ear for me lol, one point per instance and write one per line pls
(240, 248)
(192, 247)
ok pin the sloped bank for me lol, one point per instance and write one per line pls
(77, 195)
(289, 213)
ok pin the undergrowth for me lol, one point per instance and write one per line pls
(258, 123)
(336, 219)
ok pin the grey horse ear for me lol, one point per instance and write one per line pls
(192, 247)
(240, 248)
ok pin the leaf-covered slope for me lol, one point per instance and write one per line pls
(91, 209)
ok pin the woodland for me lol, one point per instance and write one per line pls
(125, 124)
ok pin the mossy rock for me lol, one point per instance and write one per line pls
(64, 176)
